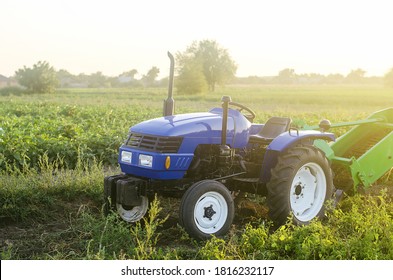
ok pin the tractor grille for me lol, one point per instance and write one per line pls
(159, 144)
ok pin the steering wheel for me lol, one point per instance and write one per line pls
(249, 114)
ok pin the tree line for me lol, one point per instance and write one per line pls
(99, 80)
(288, 76)
(202, 66)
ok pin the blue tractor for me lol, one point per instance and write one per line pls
(209, 158)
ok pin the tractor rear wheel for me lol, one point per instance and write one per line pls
(300, 184)
(207, 208)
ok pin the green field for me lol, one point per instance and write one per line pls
(56, 149)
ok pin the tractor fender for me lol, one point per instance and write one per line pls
(285, 141)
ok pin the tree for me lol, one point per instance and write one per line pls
(82, 78)
(356, 76)
(97, 80)
(286, 76)
(39, 79)
(215, 62)
(63, 74)
(151, 76)
(65, 78)
(126, 78)
(131, 73)
(388, 78)
(191, 79)
(334, 79)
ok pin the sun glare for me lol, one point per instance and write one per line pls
(263, 37)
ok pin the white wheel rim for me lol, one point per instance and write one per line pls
(134, 214)
(308, 192)
(210, 212)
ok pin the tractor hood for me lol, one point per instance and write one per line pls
(180, 125)
(206, 125)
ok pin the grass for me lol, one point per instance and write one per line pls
(53, 210)
(58, 215)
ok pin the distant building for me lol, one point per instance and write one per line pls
(72, 82)
(3, 81)
(124, 79)
(7, 82)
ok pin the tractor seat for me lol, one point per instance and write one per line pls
(272, 128)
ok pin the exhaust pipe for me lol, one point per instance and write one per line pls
(225, 156)
(169, 103)
(225, 104)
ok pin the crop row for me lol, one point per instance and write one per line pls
(64, 133)
(91, 125)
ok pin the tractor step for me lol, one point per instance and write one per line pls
(247, 180)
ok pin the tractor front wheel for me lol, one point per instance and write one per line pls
(300, 184)
(132, 214)
(207, 208)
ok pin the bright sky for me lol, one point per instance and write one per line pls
(262, 36)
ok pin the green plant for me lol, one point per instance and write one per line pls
(30, 195)
(145, 233)
(113, 239)
(7, 253)
(39, 79)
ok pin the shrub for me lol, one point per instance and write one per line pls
(12, 90)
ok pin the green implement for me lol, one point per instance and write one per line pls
(366, 150)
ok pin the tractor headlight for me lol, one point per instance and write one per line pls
(146, 160)
(126, 156)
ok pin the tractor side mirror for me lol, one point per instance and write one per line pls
(324, 125)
